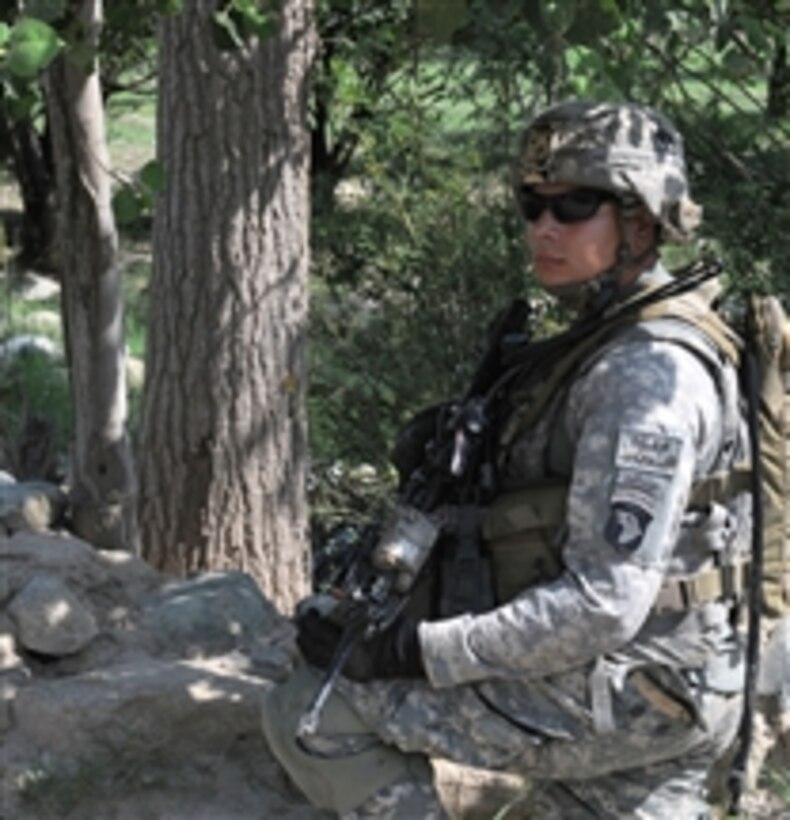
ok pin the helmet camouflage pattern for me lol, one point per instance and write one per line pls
(624, 148)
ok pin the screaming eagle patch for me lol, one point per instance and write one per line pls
(627, 525)
(646, 462)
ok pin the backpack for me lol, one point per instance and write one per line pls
(765, 341)
(770, 327)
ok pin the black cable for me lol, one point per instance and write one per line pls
(751, 386)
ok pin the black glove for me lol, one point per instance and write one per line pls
(394, 653)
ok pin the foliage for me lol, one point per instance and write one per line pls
(410, 267)
(135, 199)
(406, 280)
(33, 391)
(237, 20)
(415, 117)
(362, 44)
(31, 45)
(778, 782)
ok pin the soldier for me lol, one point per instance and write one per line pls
(609, 671)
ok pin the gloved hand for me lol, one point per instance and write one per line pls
(394, 653)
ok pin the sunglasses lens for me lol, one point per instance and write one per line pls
(532, 204)
(578, 205)
(573, 206)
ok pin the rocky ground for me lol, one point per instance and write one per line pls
(128, 695)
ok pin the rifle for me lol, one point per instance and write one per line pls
(378, 585)
(457, 472)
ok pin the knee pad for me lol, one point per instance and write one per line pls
(328, 780)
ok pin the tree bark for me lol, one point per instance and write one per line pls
(223, 439)
(779, 80)
(102, 481)
(28, 152)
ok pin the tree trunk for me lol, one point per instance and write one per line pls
(223, 441)
(779, 80)
(102, 475)
(28, 152)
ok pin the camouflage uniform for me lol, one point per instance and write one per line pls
(611, 704)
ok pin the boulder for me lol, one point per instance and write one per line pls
(126, 694)
(30, 505)
(208, 615)
(50, 619)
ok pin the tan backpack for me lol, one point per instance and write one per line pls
(772, 328)
(769, 338)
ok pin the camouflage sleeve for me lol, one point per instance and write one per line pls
(642, 421)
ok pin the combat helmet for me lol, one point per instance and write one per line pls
(627, 149)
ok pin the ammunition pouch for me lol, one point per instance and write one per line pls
(523, 532)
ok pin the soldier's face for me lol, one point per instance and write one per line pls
(566, 253)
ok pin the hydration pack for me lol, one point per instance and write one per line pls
(771, 331)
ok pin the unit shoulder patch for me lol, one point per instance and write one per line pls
(627, 525)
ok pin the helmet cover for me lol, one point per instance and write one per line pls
(627, 149)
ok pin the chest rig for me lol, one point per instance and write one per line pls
(523, 530)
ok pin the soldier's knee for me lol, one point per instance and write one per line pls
(346, 764)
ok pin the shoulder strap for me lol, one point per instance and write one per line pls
(692, 307)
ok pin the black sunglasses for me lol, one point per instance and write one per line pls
(573, 206)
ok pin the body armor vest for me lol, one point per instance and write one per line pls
(523, 529)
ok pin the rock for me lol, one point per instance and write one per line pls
(33, 287)
(50, 619)
(171, 708)
(157, 716)
(13, 673)
(156, 739)
(28, 343)
(8, 690)
(30, 505)
(9, 660)
(82, 568)
(45, 322)
(209, 615)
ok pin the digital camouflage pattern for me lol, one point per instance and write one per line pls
(614, 703)
(626, 149)
(612, 708)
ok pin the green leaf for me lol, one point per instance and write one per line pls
(32, 46)
(152, 176)
(5, 33)
(19, 103)
(224, 31)
(127, 205)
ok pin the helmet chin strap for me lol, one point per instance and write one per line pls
(594, 295)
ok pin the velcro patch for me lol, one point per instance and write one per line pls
(649, 451)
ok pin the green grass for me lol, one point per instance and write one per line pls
(777, 782)
(32, 384)
(136, 274)
(131, 130)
